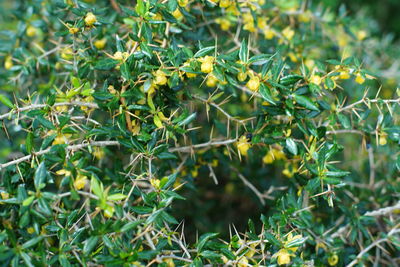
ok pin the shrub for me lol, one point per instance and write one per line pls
(172, 133)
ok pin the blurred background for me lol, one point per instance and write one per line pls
(384, 12)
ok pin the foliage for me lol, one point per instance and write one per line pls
(140, 134)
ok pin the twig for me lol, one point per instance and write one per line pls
(251, 186)
(367, 100)
(68, 148)
(372, 245)
(374, 213)
(39, 106)
(208, 144)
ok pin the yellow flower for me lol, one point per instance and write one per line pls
(80, 182)
(289, 171)
(274, 154)
(155, 183)
(177, 14)
(169, 262)
(73, 30)
(283, 256)
(211, 80)
(31, 31)
(361, 35)
(98, 153)
(359, 78)
(67, 53)
(109, 211)
(63, 172)
(248, 22)
(288, 33)
(183, 3)
(120, 55)
(243, 145)
(160, 78)
(254, 83)
(8, 64)
(268, 33)
(291, 238)
(100, 44)
(90, 19)
(207, 64)
(242, 76)
(344, 75)
(268, 158)
(30, 230)
(61, 139)
(224, 3)
(382, 139)
(305, 17)
(224, 23)
(233, 10)
(5, 195)
(243, 262)
(316, 79)
(333, 260)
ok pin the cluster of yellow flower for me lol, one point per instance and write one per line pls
(284, 254)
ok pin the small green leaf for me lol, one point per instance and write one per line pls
(204, 51)
(40, 176)
(6, 101)
(291, 146)
(266, 94)
(90, 244)
(305, 102)
(29, 142)
(106, 64)
(244, 52)
(96, 187)
(116, 197)
(28, 201)
(32, 242)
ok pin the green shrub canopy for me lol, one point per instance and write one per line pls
(191, 133)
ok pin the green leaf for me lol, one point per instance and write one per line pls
(96, 187)
(32, 242)
(305, 102)
(244, 52)
(40, 176)
(266, 94)
(204, 238)
(140, 8)
(90, 244)
(29, 142)
(291, 146)
(27, 259)
(188, 119)
(106, 64)
(45, 123)
(204, 51)
(116, 197)
(125, 71)
(6, 101)
(296, 242)
(28, 201)
(130, 226)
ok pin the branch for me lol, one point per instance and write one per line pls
(366, 101)
(223, 111)
(208, 144)
(39, 106)
(373, 213)
(68, 148)
(372, 245)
